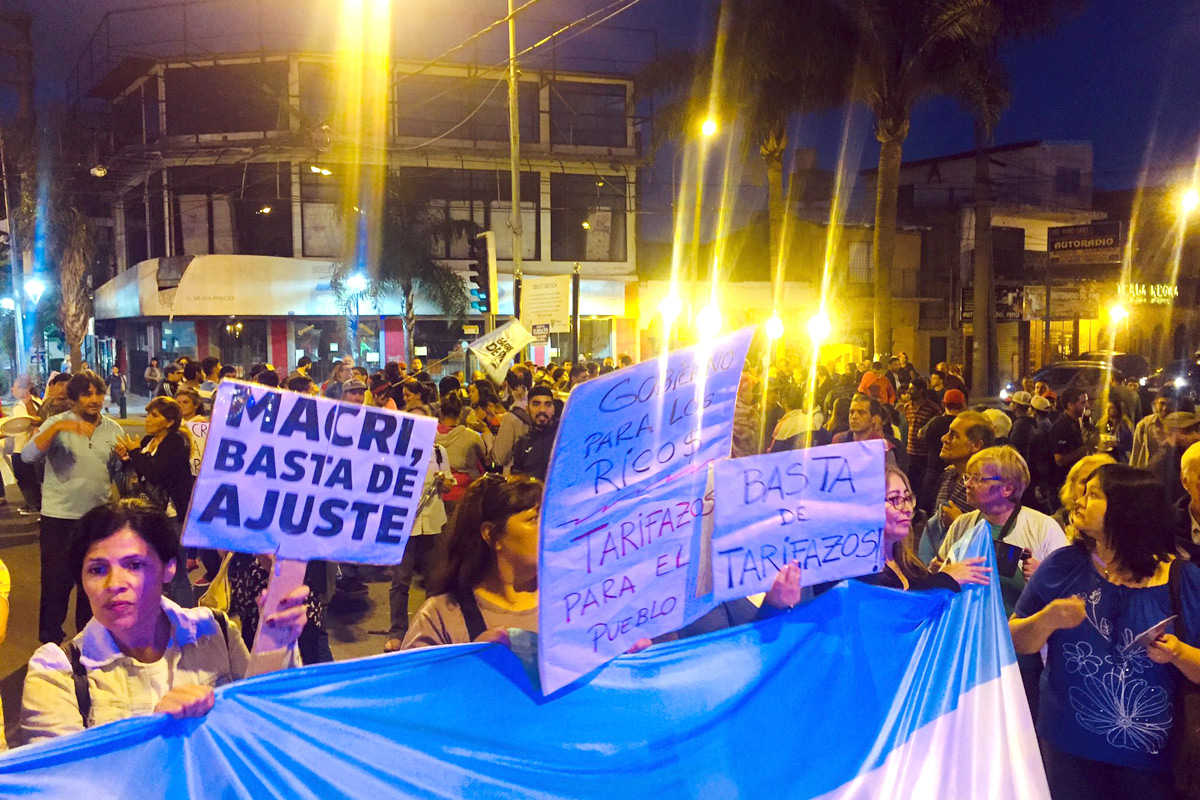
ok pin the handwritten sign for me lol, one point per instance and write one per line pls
(198, 438)
(822, 507)
(308, 477)
(625, 496)
(494, 350)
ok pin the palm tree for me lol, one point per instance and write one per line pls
(411, 234)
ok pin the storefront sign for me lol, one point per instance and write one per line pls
(1009, 303)
(1143, 294)
(541, 333)
(1066, 302)
(1098, 243)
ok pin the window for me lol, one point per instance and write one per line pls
(588, 114)
(472, 109)
(861, 270)
(1066, 180)
(230, 98)
(485, 198)
(135, 227)
(321, 221)
(587, 218)
(243, 208)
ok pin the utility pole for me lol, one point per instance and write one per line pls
(514, 139)
(14, 263)
(21, 23)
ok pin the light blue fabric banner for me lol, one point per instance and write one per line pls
(308, 477)
(625, 496)
(863, 692)
(822, 507)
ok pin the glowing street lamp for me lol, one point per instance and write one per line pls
(1190, 200)
(708, 321)
(35, 288)
(774, 328)
(1118, 313)
(7, 303)
(708, 128)
(819, 327)
(670, 307)
(357, 283)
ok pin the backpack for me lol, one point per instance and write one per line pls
(83, 694)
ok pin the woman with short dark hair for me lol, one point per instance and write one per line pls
(140, 654)
(1105, 715)
(487, 576)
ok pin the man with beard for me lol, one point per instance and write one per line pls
(531, 456)
(79, 449)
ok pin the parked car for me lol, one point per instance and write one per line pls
(1183, 376)
(1131, 364)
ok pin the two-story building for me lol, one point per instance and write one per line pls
(227, 175)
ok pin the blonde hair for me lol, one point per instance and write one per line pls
(1010, 466)
(1190, 457)
(1084, 468)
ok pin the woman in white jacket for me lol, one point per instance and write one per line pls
(141, 653)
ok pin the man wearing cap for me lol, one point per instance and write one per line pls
(354, 391)
(1024, 426)
(1150, 435)
(1183, 430)
(1041, 413)
(955, 402)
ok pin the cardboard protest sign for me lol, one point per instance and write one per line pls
(494, 350)
(625, 495)
(822, 507)
(308, 477)
(198, 438)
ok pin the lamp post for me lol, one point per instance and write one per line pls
(357, 283)
(35, 287)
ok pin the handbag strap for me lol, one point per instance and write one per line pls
(471, 613)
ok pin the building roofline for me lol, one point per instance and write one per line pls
(1003, 148)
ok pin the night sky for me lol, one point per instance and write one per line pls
(1123, 75)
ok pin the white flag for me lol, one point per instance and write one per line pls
(496, 349)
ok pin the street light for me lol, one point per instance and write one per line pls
(7, 303)
(670, 307)
(819, 327)
(357, 283)
(774, 328)
(35, 288)
(1118, 313)
(708, 127)
(1190, 200)
(708, 321)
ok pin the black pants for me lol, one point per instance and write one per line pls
(418, 557)
(57, 581)
(1075, 778)
(28, 482)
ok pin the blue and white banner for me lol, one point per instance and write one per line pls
(307, 477)
(862, 693)
(625, 497)
(821, 507)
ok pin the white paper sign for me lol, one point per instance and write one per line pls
(199, 437)
(546, 301)
(625, 497)
(822, 507)
(308, 477)
(496, 349)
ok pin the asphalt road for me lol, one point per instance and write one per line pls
(350, 620)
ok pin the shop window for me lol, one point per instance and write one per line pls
(464, 108)
(227, 98)
(587, 218)
(178, 339)
(588, 114)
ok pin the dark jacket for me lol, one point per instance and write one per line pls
(169, 470)
(531, 456)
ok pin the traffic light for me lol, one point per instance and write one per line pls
(477, 274)
(481, 272)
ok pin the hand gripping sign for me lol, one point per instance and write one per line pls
(822, 507)
(625, 496)
(306, 478)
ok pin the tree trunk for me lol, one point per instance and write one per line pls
(884, 250)
(410, 323)
(772, 151)
(983, 348)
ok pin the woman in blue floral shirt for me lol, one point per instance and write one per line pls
(1107, 702)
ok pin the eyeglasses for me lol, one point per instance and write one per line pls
(901, 501)
(969, 479)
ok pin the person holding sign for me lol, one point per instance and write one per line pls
(487, 582)
(140, 654)
(904, 570)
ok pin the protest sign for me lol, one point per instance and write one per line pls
(625, 495)
(199, 437)
(822, 507)
(308, 477)
(496, 349)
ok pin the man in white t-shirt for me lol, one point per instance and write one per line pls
(995, 478)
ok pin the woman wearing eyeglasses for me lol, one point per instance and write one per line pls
(904, 569)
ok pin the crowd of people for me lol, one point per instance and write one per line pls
(1095, 527)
